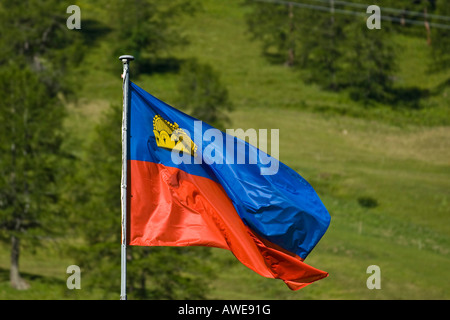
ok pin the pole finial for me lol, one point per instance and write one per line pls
(126, 58)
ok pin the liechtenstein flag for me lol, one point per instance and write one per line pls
(193, 185)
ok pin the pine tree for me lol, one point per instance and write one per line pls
(202, 93)
(368, 66)
(323, 42)
(30, 141)
(36, 53)
(275, 26)
(441, 39)
(148, 29)
(332, 49)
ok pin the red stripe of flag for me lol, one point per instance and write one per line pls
(197, 212)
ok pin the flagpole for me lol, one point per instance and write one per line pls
(126, 101)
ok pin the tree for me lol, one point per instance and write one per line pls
(331, 49)
(416, 10)
(30, 141)
(323, 42)
(296, 34)
(368, 62)
(35, 33)
(148, 28)
(441, 40)
(276, 28)
(36, 54)
(202, 93)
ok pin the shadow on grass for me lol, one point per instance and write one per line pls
(93, 31)
(30, 278)
(162, 65)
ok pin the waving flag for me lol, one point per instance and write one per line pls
(187, 187)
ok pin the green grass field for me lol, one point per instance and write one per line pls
(397, 160)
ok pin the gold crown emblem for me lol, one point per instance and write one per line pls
(171, 136)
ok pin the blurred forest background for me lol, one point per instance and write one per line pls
(363, 115)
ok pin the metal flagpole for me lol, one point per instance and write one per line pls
(126, 101)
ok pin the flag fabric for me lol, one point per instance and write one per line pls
(270, 222)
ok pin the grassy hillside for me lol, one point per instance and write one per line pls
(382, 172)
